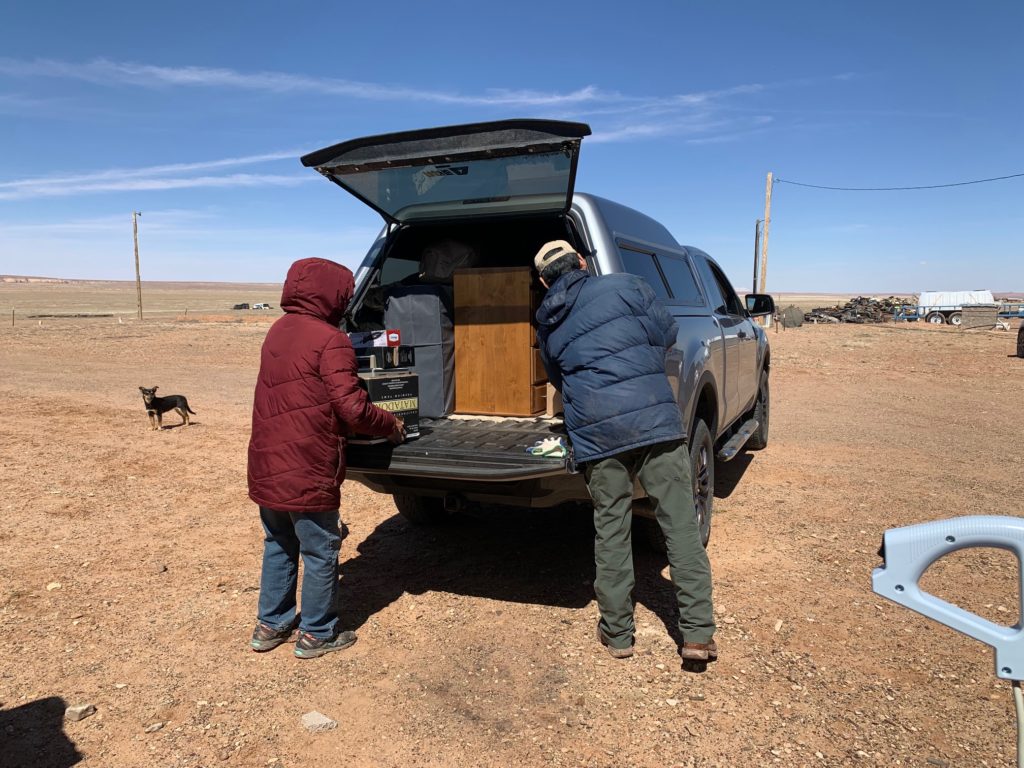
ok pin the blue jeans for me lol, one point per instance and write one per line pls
(317, 537)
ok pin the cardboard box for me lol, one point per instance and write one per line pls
(554, 402)
(392, 337)
(396, 391)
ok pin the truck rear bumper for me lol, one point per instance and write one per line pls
(477, 459)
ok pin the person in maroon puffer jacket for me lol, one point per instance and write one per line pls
(307, 400)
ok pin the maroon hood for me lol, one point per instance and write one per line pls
(319, 288)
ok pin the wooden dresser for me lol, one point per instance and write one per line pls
(498, 369)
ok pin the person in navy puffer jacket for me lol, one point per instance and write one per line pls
(603, 341)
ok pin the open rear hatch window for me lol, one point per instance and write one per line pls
(482, 169)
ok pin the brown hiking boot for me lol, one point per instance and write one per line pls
(699, 651)
(615, 653)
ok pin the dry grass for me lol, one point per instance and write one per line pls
(159, 299)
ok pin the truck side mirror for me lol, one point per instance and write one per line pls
(760, 305)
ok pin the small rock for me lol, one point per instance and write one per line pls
(315, 722)
(120, 686)
(154, 727)
(52, 586)
(659, 666)
(672, 702)
(78, 712)
(161, 568)
(778, 625)
(938, 761)
(729, 620)
(696, 697)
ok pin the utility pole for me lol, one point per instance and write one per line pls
(757, 252)
(767, 225)
(138, 279)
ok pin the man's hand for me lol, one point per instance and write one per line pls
(398, 436)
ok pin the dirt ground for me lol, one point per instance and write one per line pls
(130, 562)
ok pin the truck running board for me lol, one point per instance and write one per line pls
(737, 441)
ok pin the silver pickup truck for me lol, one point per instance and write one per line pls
(507, 187)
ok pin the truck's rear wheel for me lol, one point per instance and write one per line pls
(762, 411)
(420, 510)
(955, 318)
(936, 318)
(702, 469)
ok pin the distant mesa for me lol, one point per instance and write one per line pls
(31, 279)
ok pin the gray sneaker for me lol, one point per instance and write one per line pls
(309, 647)
(266, 638)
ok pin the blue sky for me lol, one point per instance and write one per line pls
(196, 113)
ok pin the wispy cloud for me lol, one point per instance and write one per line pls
(106, 72)
(154, 177)
(699, 115)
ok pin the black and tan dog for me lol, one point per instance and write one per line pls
(156, 407)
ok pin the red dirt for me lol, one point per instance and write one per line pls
(476, 639)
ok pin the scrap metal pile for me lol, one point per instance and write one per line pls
(863, 309)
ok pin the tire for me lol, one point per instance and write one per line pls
(702, 470)
(935, 318)
(646, 530)
(421, 510)
(956, 318)
(1020, 341)
(762, 412)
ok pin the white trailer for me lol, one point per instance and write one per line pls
(940, 307)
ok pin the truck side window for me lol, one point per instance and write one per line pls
(733, 306)
(642, 265)
(681, 280)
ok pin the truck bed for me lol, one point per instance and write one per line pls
(484, 449)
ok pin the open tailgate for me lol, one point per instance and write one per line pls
(461, 171)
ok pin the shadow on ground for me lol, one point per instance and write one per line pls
(542, 557)
(729, 473)
(33, 736)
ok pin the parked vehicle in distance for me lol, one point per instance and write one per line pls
(506, 188)
(241, 306)
(261, 306)
(939, 307)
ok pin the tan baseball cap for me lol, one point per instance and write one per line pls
(551, 251)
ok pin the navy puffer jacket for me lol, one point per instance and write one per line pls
(603, 341)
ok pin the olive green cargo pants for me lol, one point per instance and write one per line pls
(664, 472)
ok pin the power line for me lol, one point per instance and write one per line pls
(898, 189)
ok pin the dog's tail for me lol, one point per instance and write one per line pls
(190, 410)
